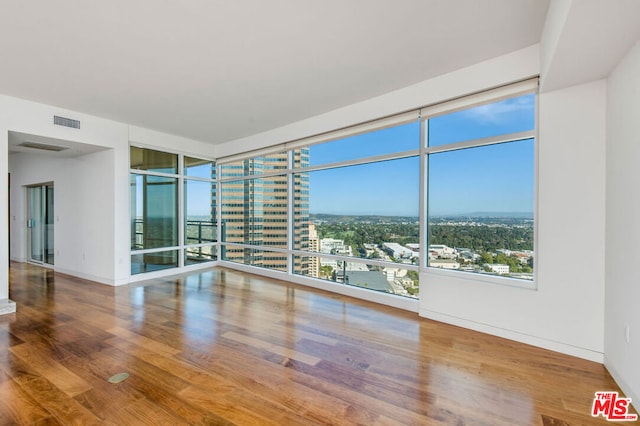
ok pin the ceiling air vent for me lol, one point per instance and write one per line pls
(43, 146)
(66, 122)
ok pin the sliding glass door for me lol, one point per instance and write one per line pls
(40, 223)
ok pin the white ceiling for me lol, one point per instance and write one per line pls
(590, 39)
(217, 70)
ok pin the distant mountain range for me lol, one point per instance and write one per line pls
(334, 218)
(520, 215)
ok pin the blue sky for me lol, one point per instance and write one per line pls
(488, 179)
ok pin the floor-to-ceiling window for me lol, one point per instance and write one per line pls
(173, 210)
(481, 174)
(363, 204)
(449, 187)
(200, 210)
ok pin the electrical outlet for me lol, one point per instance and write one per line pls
(627, 332)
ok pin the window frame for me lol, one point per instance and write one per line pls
(483, 98)
(529, 86)
(290, 173)
(181, 248)
(421, 116)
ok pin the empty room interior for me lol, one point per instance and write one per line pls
(337, 212)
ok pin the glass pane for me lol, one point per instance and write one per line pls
(255, 165)
(195, 255)
(356, 210)
(150, 262)
(498, 118)
(49, 226)
(200, 212)
(395, 280)
(34, 224)
(385, 141)
(154, 212)
(254, 211)
(196, 167)
(255, 257)
(153, 161)
(481, 209)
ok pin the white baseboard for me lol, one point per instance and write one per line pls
(7, 306)
(89, 277)
(624, 386)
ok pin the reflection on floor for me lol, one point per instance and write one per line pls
(224, 347)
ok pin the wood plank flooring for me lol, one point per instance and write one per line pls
(221, 347)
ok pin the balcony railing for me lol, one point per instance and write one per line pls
(196, 232)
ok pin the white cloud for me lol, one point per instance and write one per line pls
(499, 112)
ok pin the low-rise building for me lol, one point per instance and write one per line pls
(440, 250)
(444, 264)
(397, 251)
(498, 268)
(335, 246)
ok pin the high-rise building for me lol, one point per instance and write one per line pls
(314, 246)
(255, 210)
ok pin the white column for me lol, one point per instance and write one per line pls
(6, 306)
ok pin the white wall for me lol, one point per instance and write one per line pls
(83, 213)
(566, 312)
(554, 25)
(33, 118)
(623, 225)
(4, 235)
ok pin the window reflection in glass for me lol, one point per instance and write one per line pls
(196, 167)
(150, 262)
(154, 211)
(153, 161)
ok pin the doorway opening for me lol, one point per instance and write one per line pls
(40, 224)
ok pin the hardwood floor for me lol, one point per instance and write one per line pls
(222, 347)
